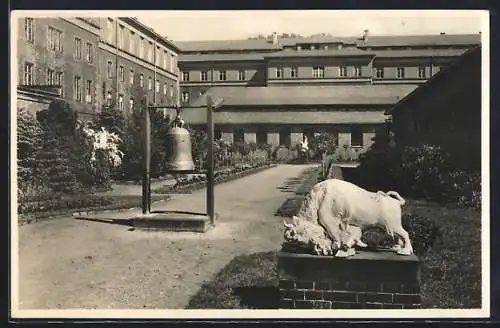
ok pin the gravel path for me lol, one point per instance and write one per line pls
(69, 263)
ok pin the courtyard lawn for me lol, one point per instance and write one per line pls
(447, 279)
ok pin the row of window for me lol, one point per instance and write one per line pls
(285, 137)
(400, 72)
(139, 46)
(222, 76)
(121, 103)
(89, 50)
(131, 79)
(318, 72)
(55, 40)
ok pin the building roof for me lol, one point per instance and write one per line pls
(222, 45)
(421, 40)
(308, 95)
(221, 57)
(320, 53)
(198, 116)
(419, 53)
(371, 41)
(471, 54)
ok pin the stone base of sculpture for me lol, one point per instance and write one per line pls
(366, 280)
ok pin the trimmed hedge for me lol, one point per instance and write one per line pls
(56, 205)
(188, 185)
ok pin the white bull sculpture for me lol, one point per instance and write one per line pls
(342, 210)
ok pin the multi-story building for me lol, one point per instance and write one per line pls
(94, 62)
(277, 90)
(134, 62)
(57, 58)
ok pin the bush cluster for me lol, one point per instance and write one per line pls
(421, 171)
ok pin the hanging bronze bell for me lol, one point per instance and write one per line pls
(180, 158)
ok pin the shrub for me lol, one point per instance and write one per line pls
(432, 175)
(28, 142)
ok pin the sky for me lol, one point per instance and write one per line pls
(225, 25)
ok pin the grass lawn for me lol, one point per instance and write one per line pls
(450, 271)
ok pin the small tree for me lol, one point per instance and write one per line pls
(322, 143)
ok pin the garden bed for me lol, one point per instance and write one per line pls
(194, 183)
(57, 205)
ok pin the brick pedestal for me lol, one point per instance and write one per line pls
(367, 280)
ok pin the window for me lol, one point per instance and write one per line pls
(185, 76)
(279, 72)
(165, 59)
(28, 74)
(109, 98)
(172, 91)
(158, 56)
(185, 96)
(54, 39)
(120, 102)
(165, 89)
(241, 75)
(77, 86)
(222, 75)
(357, 71)
(78, 48)
(204, 76)
(110, 69)
(141, 80)
(131, 104)
(421, 72)
(157, 86)
(51, 75)
(121, 73)
(379, 72)
(110, 30)
(150, 83)
(28, 29)
(318, 72)
(401, 72)
(294, 72)
(150, 52)
(131, 43)
(141, 47)
(356, 138)
(342, 71)
(58, 79)
(131, 76)
(88, 92)
(90, 53)
(121, 36)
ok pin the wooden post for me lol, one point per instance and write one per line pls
(146, 178)
(210, 162)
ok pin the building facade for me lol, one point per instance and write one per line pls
(57, 58)
(291, 87)
(93, 63)
(136, 62)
